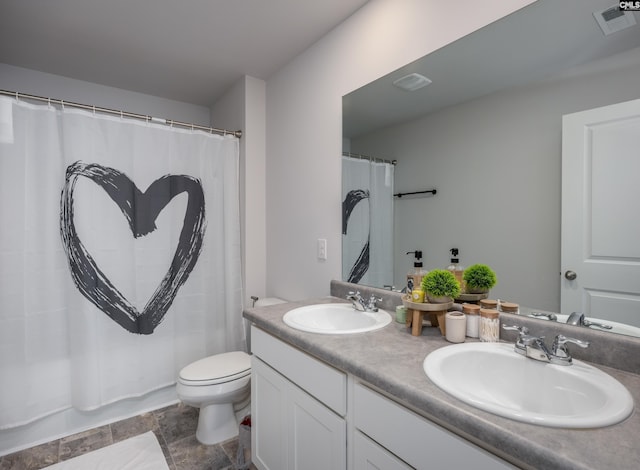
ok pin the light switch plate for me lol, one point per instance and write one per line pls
(322, 248)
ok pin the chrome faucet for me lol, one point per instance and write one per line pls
(560, 351)
(578, 319)
(550, 316)
(356, 300)
(534, 347)
(372, 304)
(362, 305)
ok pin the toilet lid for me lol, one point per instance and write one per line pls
(218, 368)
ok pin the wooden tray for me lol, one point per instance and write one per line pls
(417, 310)
(426, 306)
(472, 297)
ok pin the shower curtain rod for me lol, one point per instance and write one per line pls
(367, 157)
(168, 122)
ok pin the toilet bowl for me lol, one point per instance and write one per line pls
(219, 385)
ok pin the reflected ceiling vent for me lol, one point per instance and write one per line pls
(613, 19)
(412, 82)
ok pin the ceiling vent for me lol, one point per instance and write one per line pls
(412, 82)
(613, 19)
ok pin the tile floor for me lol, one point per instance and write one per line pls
(174, 426)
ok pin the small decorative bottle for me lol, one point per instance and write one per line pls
(414, 277)
(455, 268)
(472, 312)
(489, 325)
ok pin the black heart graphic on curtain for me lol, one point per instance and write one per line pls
(141, 210)
(361, 266)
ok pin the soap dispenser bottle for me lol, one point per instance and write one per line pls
(455, 268)
(414, 277)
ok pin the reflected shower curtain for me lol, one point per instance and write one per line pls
(119, 257)
(367, 222)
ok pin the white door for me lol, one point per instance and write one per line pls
(601, 213)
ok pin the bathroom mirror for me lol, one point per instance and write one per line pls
(486, 133)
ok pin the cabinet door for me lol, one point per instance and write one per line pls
(269, 417)
(291, 429)
(317, 436)
(370, 456)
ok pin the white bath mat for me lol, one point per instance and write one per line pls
(142, 452)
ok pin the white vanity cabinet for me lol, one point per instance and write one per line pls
(301, 409)
(298, 408)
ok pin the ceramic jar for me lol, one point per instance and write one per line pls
(455, 327)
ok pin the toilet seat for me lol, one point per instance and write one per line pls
(217, 369)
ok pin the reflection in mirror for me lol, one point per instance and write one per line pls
(367, 220)
(487, 133)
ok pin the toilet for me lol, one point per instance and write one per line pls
(220, 386)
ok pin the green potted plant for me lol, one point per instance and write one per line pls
(440, 286)
(479, 278)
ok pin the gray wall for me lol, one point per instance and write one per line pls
(496, 163)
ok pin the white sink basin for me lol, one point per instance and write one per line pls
(494, 378)
(335, 319)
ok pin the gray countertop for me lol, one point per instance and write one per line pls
(391, 360)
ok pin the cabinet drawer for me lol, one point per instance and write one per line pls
(416, 440)
(368, 455)
(326, 384)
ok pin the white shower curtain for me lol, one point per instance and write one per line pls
(119, 257)
(367, 222)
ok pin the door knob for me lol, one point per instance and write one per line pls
(571, 275)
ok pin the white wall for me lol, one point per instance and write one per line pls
(244, 107)
(496, 163)
(304, 127)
